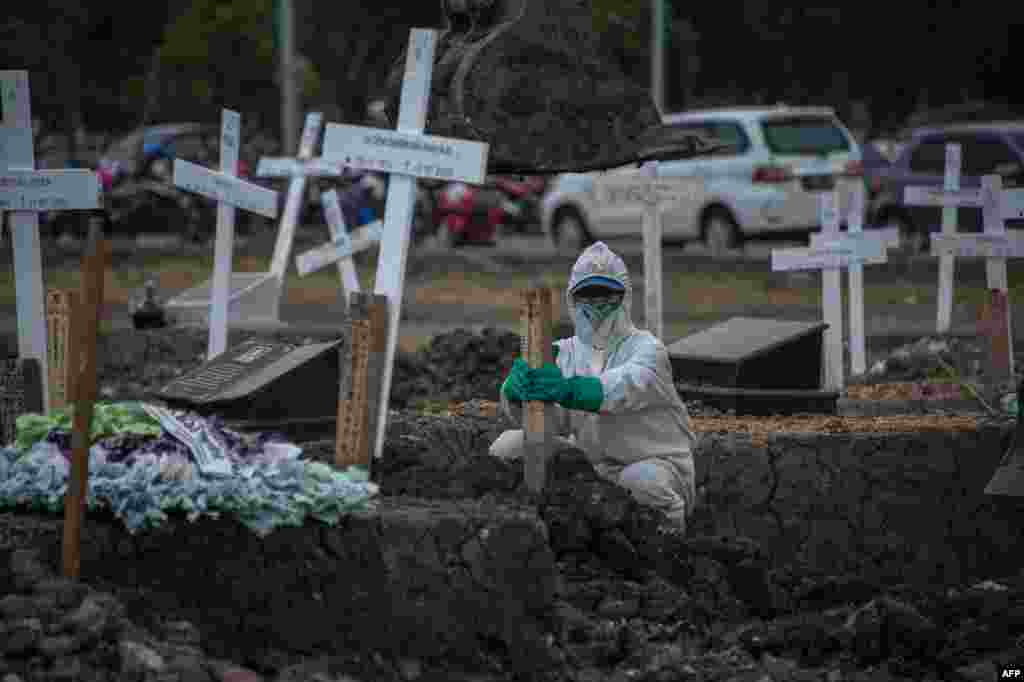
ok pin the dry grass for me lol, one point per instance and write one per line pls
(760, 429)
(704, 293)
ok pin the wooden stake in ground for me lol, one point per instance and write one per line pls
(364, 344)
(536, 321)
(85, 323)
(995, 324)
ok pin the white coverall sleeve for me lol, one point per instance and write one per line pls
(639, 383)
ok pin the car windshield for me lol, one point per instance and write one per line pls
(804, 135)
(1018, 139)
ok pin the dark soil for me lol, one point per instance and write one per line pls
(641, 603)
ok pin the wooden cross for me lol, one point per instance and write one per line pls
(651, 194)
(229, 192)
(25, 191)
(890, 238)
(832, 253)
(407, 154)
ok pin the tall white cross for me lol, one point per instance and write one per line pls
(890, 238)
(950, 197)
(24, 192)
(834, 252)
(406, 154)
(651, 194)
(229, 192)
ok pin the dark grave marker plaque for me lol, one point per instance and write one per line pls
(754, 366)
(21, 392)
(264, 385)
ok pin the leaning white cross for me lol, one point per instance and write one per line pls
(229, 192)
(299, 170)
(950, 197)
(996, 244)
(406, 154)
(624, 192)
(24, 192)
(890, 237)
(834, 252)
(342, 246)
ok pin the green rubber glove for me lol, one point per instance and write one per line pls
(547, 384)
(576, 393)
(585, 393)
(517, 381)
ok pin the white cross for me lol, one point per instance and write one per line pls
(298, 169)
(833, 253)
(995, 244)
(406, 154)
(890, 237)
(342, 246)
(229, 192)
(24, 192)
(653, 194)
(950, 197)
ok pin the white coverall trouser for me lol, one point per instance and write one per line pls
(662, 483)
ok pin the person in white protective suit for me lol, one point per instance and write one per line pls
(614, 391)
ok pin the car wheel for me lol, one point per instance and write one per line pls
(569, 233)
(721, 234)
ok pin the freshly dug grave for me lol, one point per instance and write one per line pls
(609, 596)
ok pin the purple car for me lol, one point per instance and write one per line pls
(986, 149)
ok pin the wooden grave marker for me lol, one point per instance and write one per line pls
(538, 417)
(229, 192)
(60, 307)
(24, 192)
(406, 154)
(82, 362)
(365, 345)
(890, 238)
(650, 194)
(834, 252)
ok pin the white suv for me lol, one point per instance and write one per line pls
(766, 180)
